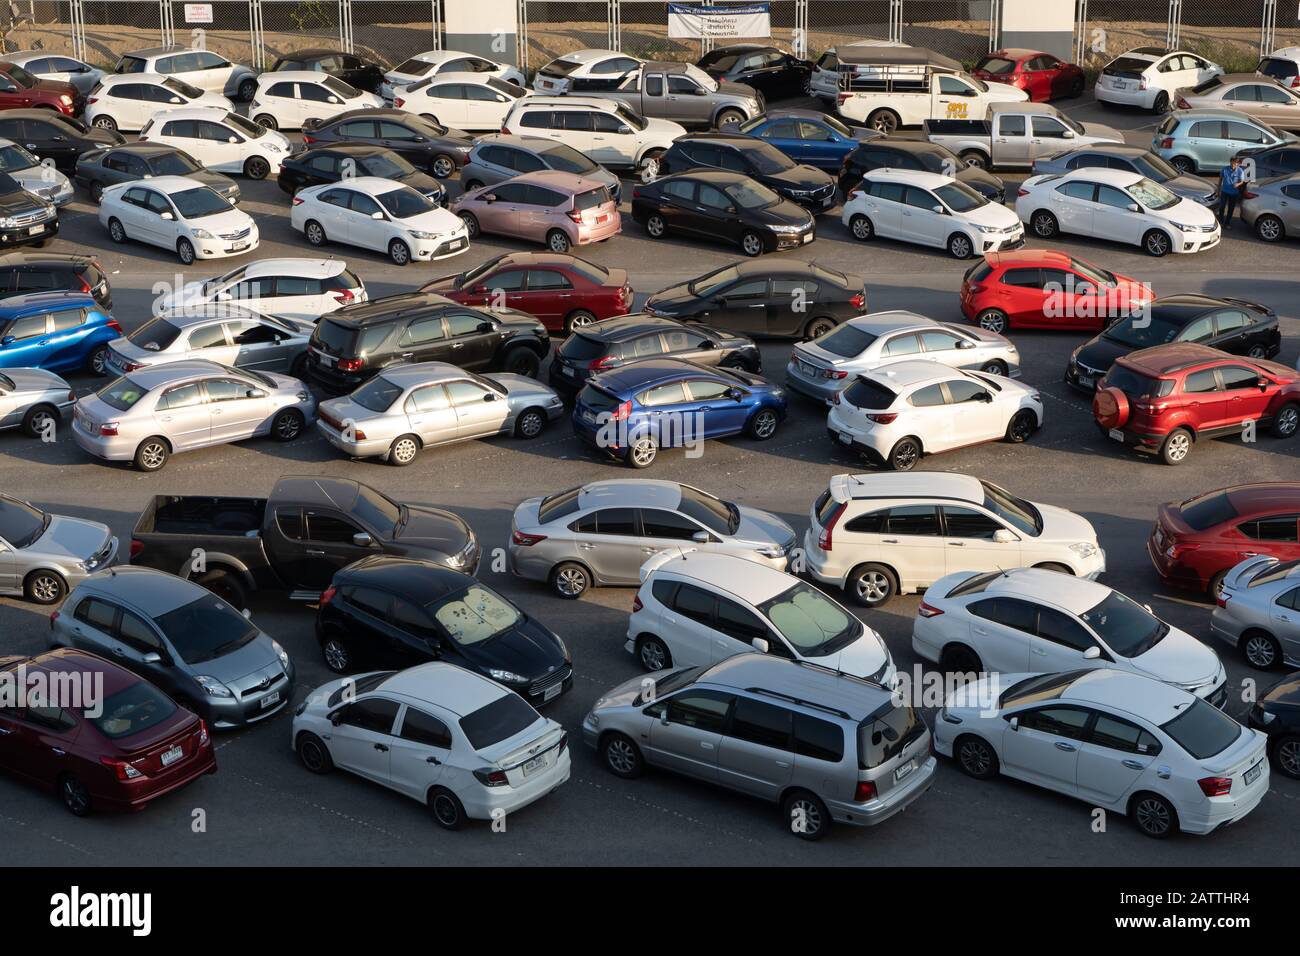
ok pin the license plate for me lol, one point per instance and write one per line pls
(270, 700)
(846, 438)
(1085, 381)
(1253, 773)
(565, 370)
(904, 770)
(326, 360)
(237, 246)
(1116, 434)
(1121, 85)
(35, 229)
(588, 417)
(600, 219)
(456, 244)
(552, 692)
(808, 238)
(537, 763)
(169, 757)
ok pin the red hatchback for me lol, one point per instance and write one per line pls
(564, 292)
(1042, 76)
(116, 743)
(21, 90)
(1163, 400)
(1194, 543)
(1042, 289)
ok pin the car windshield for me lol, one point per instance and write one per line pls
(247, 127)
(506, 717)
(720, 517)
(405, 202)
(205, 629)
(173, 164)
(14, 158)
(1208, 510)
(377, 395)
(1036, 689)
(6, 383)
(121, 394)
(1127, 627)
(752, 195)
(475, 615)
(1152, 195)
(199, 202)
(712, 282)
(155, 335)
(768, 160)
(1154, 167)
(959, 197)
(183, 88)
(339, 88)
(20, 76)
(20, 523)
(377, 512)
(1203, 730)
(1094, 274)
(132, 711)
(846, 341)
(413, 67)
(813, 624)
(1014, 511)
(389, 166)
(362, 685)
(566, 159)
(631, 116)
(996, 65)
(1145, 328)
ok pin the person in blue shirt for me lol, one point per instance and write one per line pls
(1231, 181)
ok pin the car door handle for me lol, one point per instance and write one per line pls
(310, 551)
(761, 306)
(587, 547)
(407, 355)
(383, 748)
(165, 418)
(1068, 748)
(59, 752)
(5, 732)
(119, 652)
(457, 345)
(216, 411)
(979, 630)
(889, 541)
(433, 760)
(956, 544)
(782, 764)
(1135, 764)
(704, 744)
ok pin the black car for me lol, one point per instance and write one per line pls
(1277, 714)
(22, 273)
(428, 146)
(771, 71)
(353, 343)
(794, 299)
(721, 205)
(352, 69)
(326, 164)
(385, 613)
(52, 135)
(1233, 325)
(614, 342)
(133, 161)
(762, 162)
(890, 153)
(1281, 160)
(31, 220)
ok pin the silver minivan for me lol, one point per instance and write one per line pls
(825, 746)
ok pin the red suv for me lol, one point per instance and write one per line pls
(1164, 399)
(564, 292)
(116, 744)
(1196, 542)
(1040, 289)
(20, 89)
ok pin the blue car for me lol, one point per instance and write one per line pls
(807, 136)
(633, 411)
(57, 331)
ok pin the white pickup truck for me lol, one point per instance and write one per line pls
(1015, 134)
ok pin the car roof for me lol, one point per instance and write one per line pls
(164, 184)
(1017, 52)
(216, 113)
(557, 179)
(44, 301)
(882, 322)
(710, 176)
(157, 50)
(68, 660)
(794, 113)
(911, 373)
(153, 592)
(639, 492)
(370, 185)
(1186, 306)
(27, 258)
(904, 145)
(186, 316)
(1029, 257)
(294, 76)
(624, 328)
(1226, 79)
(741, 48)
(1214, 112)
(1075, 595)
(112, 79)
(463, 76)
(1264, 496)
(639, 375)
(310, 268)
(1120, 149)
(155, 376)
(372, 112)
(421, 372)
(912, 177)
(538, 144)
(317, 489)
(1152, 53)
(1122, 178)
(444, 685)
(746, 579)
(386, 308)
(312, 52)
(143, 149)
(1131, 693)
(591, 54)
(811, 686)
(926, 484)
(1163, 359)
(568, 102)
(423, 581)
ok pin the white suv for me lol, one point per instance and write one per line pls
(610, 133)
(1148, 76)
(881, 535)
(696, 608)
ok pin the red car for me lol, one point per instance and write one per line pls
(20, 90)
(122, 745)
(1041, 289)
(1163, 400)
(564, 292)
(1194, 543)
(1042, 76)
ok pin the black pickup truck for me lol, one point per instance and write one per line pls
(293, 541)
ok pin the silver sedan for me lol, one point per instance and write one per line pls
(43, 554)
(1259, 611)
(34, 400)
(409, 407)
(148, 415)
(1272, 208)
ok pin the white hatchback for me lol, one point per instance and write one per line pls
(584, 70)
(290, 288)
(469, 101)
(128, 101)
(177, 213)
(202, 68)
(1148, 76)
(222, 141)
(289, 98)
(432, 62)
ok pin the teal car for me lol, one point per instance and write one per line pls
(1203, 140)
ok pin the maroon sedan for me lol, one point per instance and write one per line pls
(563, 291)
(21, 90)
(1042, 76)
(116, 743)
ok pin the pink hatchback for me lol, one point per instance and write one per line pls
(560, 209)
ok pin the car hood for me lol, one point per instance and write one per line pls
(97, 136)
(35, 178)
(215, 100)
(732, 88)
(188, 294)
(800, 177)
(784, 213)
(975, 178)
(763, 528)
(992, 214)
(72, 538)
(1101, 133)
(223, 222)
(864, 658)
(255, 656)
(521, 388)
(56, 87)
(435, 220)
(21, 201)
(528, 649)
(982, 694)
(1178, 659)
(1188, 212)
(1004, 93)
(433, 530)
(34, 379)
(1191, 187)
(1064, 526)
(1100, 353)
(663, 128)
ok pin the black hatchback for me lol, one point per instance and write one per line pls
(329, 164)
(425, 144)
(772, 71)
(388, 612)
(22, 273)
(351, 68)
(891, 153)
(53, 136)
(1277, 713)
(809, 186)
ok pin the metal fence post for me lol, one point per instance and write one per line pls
(78, 17)
(1268, 28)
(1175, 24)
(166, 30)
(522, 35)
(896, 20)
(995, 23)
(345, 25)
(438, 25)
(801, 29)
(1081, 30)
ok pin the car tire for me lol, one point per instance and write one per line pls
(442, 166)
(1286, 756)
(974, 159)
(313, 753)
(97, 193)
(1153, 815)
(960, 659)
(1161, 103)
(471, 224)
(470, 185)
(1076, 88)
(75, 796)
(266, 121)
(247, 89)
(975, 757)
(806, 815)
(1156, 243)
(1260, 649)
(818, 327)
(104, 121)
(883, 121)
(651, 163)
(905, 454)
(1216, 582)
(1185, 165)
(558, 241)
(577, 319)
(762, 424)
(994, 367)
(1270, 228)
(337, 651)
(621, 756)
(255, 167)
(116, 231)
(152, 454)
(751, 244)
(39, 419)
(298, 369)
(185, 251)
(1044, 224)
(729, 117)
(960, 246)
(521, 360)
(1021, 427)
(530, 423)
(97, 364)
(287, 424)
(642, 452)
(652, 653)
(1176, 447)
(570, 580)
(871, 585)
(861, 228)
(655, 226)
(44, 587)
(314, 233)
(225, 585)
(1257, 352)
(399, 253)
(992, 320)
(403, 450)
(1286, 420)
(446, 809)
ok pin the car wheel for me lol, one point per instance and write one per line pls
(861, 228)
(97, 364)
(521, 360)
(960, 659)
(1021, 426)
(960, 246)
(1261, 650)
(992, 320)
(650, 166)
(471, 224)
(403, 450)
(224, 585)
(314, 232)
(266, 121)
(255, 167)
(442, 167)
(905, 454)
(337, 653)
(97, 193)
(570, 580)
(1286, 755)
(530, 423)
(1157, 243)
(1161, 104)
(974, 159)
(653, 653)
(578, 320)
(762, 425)
(1286, 419)
(39, 421)
(643, 452)
(751, 244)
(1076, 87)
(74, 795)
(818, 327)
(1044, 224)
(655, 226)
(728, 118)
(44, 587)
(399, 252)
(872, 585)
(1269, 228)
(975, 757)
(883, 121)
(557, 241)
(1216, 582)
(298, 369)
(622, 757)
(447, 810)
(1257, 352)
(313, 753)
(247, 89)
(152, 454)
(471, 185)
(116, 231)
(1154, 815)
(287, 425)
(185, 251)
(1176, 446)
(994, 367)
(806, 815)
(105, 122)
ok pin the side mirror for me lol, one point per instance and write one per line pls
(334, 100)
(700, 537)
(377, 215)
(759, 645)
(166, 215)
(625, 130)
(708, 344)
(938, 209)
(489, 197)
(663, 716)
(490, 397)
(255, 393)
(735, 394)
(8, 340)
(964, 344)
(1147, 608)
(232, 140)
(1261, 383)
(248, 615)
(486, 327)
(1003, 536)
(1092, 653)
(698, 92)
(479, 289)
(336, 718)
(362, 539)
(175, 99)
(984, 397)
(153, 657)
(223, 296)
(1068, 134)
(1133, 207)
(1015, 723)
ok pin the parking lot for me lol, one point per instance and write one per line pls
(262, 807)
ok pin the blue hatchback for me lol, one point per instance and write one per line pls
(807, 136)
(58, 331)
(633, 411)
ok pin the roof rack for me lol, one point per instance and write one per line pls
(790, 698)
(839, 673)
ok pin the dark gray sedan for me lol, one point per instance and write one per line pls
(99, 168)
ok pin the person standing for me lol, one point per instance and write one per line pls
(1231, 180)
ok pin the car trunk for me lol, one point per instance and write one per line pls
(161, 751)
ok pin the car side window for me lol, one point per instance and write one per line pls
(694, 603)
(621, 521)
(464, 323)
(670, 394)
(704, 710)
(1022, 278)
(330, 529)
(182, 396)
(1229, 320)
(640, 348)
(680, 189)
(1060, 628)
(871, 523)
(137, 633)
(1276, 528)
(713, 198)
(465, 394)
(226, 390)
(1009, 612)
(1237, 377)
(1046, 127)
(817, 738)
(914, 520)
(430, 398)
(1069, 722)
(1290, 599)
(1110, 196)
(1078, 190)
(421, 728)
(902, 345)
(707, 391)
(1116, 734)
(374, 713)
(98, 614)
(289, 521)
(208, 336)
(667, 525)
(962, 390)
(412, 619)
(544, 279)
(1011, 125)
(370, 600)
(761, 723)
(29, 327)
(928, 397)
(741, 623)
(1198, 383)
(939, 341)
(968, 523)
(423, 331)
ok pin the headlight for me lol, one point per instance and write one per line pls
(281, 653)
(213, 687)
(1084, 549)
(1267, 716)
(203, 234)
(506, 677)
(1035, 397)
(65, 99)
(303, 396)
(990, 228)
(772, 552)
(797, 228)
(418, 234)
(7, 222)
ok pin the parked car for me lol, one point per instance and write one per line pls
(820, 368)
(1282, 65)
(666, 403)
(584, 71)
(564, 292)
(608, 132)
(198, 67)
(1275, 714)
(45, 182)
(325, 165)
(877, 536)
(601, 346)
(408, 408)
(1014, 135)
(1148, 76)
(199, 650)
(352, 68)
(808, 186)
(1153, 400)
(1153, 752)
(469, 101)
(435, 149)
(1195, 542)
(100, 168)
(128, 101)
(498, 156)
(463, 745)
(352, 344)
(220, 332)
(723, 205)
(825, 746)
(930, 210)
(898, 412)
(150, 414)
(1269, 207)
(1257, 610)
(58, 67)
(774, 72)
(807, 136)
(1233, 325)
(25, 218)
(178, 214)
(1261, 97)
(386, 612)
(378, 214)
(121, 753)
(1269, 162)
(294, 540)
(685, 94)
(19, 89)
(220, 140)
(58, 331)
(1042, 76)
(1202, 141)
(1136, 159)
(34, 400)
(1117, 205)
(601, 533)
(433, 62)
(49, 135)
(25, 272)
(45, 554)
(825, 81)
(562, 210)
(286, 288)
(288, 99)
(919, 155)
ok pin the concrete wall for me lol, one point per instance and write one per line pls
(1046, 25)
(486, 27)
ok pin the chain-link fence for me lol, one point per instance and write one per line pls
(1107, 28)
(962, 29)
(391, 32)
(29, 25)
(1229, 33)
(289, 25)
(837, 22)
(228, 33)
(551, 28)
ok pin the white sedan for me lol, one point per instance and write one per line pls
(289, 98)
(898, 412)
(432, 62)
(179, 214)
(379, 214)
(128, 101)
(1122, 742)
(1116, 204)
(469, 101)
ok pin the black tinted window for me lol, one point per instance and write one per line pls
(1058, 721)
(375, 714)
(817, 738)
(761, 723)
(914, 519)
(701, 709)
(424, 729)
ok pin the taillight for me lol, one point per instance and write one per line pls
(1022, 192)
(1249, 195)
(505, 130)
(1167, 143)
(859, 300)
(92, 99)
(112, 324)
(575, 215)
(305, 138)
(928, 610)
(866, 790)
(886, 418)
(842, 98)
(602, 363)
(623, 411)
(108, 429)
(974, 287)
(328, 595)
(854, 194)
(85, 286)
(343, 297)
(203, 733)
(1222, 598)
(351, 365)
(296, 201)
(492, 778)
(1295, 82)
(636, 603)
(123, 770)
(826, 539)
(636, 193)
(526, 540)
(358, 434)
(1142, 84)
(1215, 786)
(137, 547)
(399, 102)
(1182, 104)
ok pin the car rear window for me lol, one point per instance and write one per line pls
(598, 400)
(1208, 510)
(332, 337)
(825, 507)
(413, 67)
(155, 335)
(500, 720)
(886, 734)
(1208, 85)
(996, 64)
(121, 394)
(591, 198)
(846, 341)
(1203, 730)
(582, 348)
(1278, 69)
(1136, 385)
(979, 272)
(864, 393)
(559, 505)
(1126, 66)
(593, 273)
(559, 68)
(132, 711)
